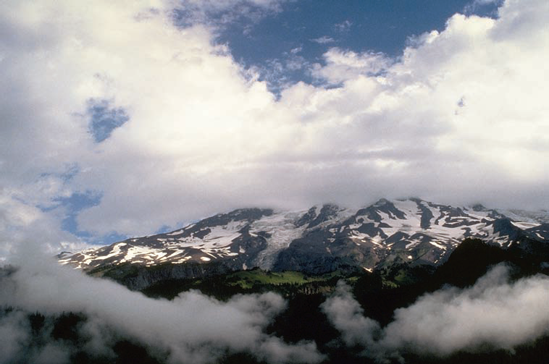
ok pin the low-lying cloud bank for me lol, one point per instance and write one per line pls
(493, 314)
(192, 328)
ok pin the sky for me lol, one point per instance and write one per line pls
(128, 118)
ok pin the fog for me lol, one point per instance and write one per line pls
(493, 314)
(192, 328)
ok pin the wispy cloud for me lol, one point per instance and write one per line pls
(323, 40)
(344, 26)
(344, 65)
(477, 4)
(222, 13)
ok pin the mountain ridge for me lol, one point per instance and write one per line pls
(318, 240)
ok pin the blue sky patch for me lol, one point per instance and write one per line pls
(78, 202)
(109, 239)
(284, 45)
(104, 118)
(74, 204)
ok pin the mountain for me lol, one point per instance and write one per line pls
(319, 240)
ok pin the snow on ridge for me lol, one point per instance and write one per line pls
(533, 217)
(281, 226)
(219, 236)
(282, 229)
(525, 225)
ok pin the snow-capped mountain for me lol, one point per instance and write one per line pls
(320, 239)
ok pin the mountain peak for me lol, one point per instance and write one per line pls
(478, 207)
(381, 202)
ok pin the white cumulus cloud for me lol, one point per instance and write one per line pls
(460, 117)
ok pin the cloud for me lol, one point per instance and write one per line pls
(12, 335)
(451, 320)
(343, 65)
(344, 26)
(222, 5)
(277, 72)
(191, 328)
(476, 4)
(347, 316)
(323, 40)
(20, 222)
(52, 353)
(203, 135)
(222, 13)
